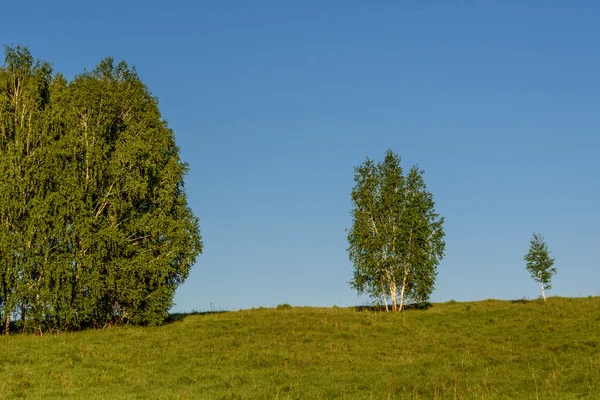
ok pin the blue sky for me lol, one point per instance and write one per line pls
(273, 103)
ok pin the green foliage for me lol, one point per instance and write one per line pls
(284, 306)
(497, 350)
(397, 238)
(539, 263)
(95, 229)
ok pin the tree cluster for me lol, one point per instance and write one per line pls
(397, 238)
(94, 223)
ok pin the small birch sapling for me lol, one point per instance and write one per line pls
(539, 263)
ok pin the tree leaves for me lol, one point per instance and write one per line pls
(539, 263)
(95, 223)
(397, 239)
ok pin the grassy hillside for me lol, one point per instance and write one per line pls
(483, 350)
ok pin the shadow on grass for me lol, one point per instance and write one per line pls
(407, 307)
(175, 317)
(522, 301)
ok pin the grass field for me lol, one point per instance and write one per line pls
(483, 350)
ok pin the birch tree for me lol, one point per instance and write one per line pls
(539, 263)
(397, 239)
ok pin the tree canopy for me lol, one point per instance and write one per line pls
(95, 228)
(397, 238)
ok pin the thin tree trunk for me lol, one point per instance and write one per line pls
(6, 314)
(406, 269)
(403, 287)
(543, 293)
(385, 301)
(384, 296)
(22, 317)
(6, 308)
(402, 297)
(394, 295)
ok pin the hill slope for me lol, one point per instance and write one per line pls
(490, 349)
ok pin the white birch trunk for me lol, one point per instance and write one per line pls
(393, 294)
(403, 288)
(543, 293)
(385, 301)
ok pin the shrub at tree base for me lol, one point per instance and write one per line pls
(95, 227)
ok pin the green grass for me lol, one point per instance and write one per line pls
(483, 350)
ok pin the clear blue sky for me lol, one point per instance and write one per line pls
(274, 102)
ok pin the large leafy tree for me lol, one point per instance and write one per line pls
(95, 226)
(539, 263)
(397, 238)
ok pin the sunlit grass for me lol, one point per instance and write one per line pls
(490, 349)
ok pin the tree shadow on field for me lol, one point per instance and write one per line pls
(176, 317)
(521, 301)
(407, 307)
